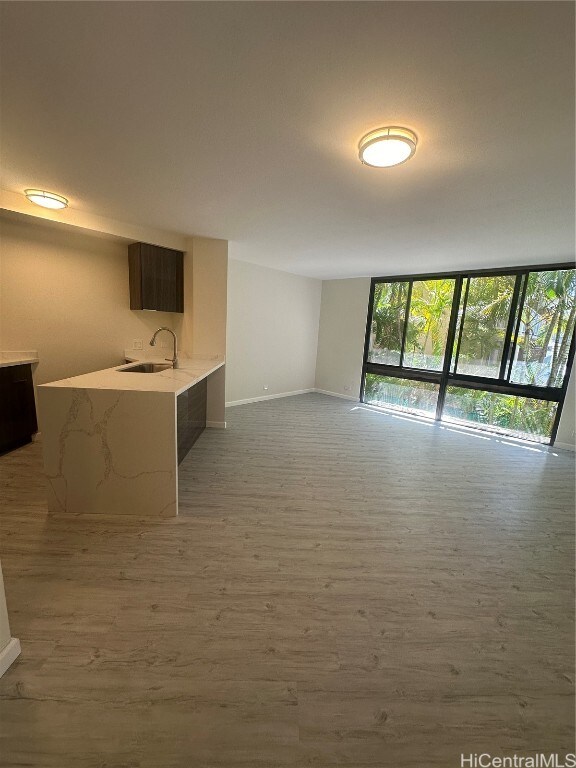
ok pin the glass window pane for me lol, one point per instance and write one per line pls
(485, 323)
(388, 317)
(546, 329)
(521, 417)
(428, 320)
(403, 394)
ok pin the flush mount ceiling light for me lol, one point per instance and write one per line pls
(46, 199)
(385, 147)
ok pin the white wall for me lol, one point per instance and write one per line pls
(341, 336)
(65, 294)
(272, 332)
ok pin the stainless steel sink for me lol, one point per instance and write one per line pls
(146, 368)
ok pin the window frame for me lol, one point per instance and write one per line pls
(448, 377)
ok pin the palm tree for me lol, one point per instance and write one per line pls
(486, 318)
(548, 319)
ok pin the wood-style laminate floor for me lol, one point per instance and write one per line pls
(342, 588)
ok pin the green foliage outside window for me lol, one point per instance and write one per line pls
(388, 322)
(402, 393)
(547, 326)
(544, 333)
(484, 326)
(520, 416)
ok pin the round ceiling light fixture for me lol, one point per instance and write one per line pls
(46, 199)
(385, 147)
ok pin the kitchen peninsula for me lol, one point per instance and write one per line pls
(111, 438)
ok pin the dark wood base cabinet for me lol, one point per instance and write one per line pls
(17, 408)
(191, 417)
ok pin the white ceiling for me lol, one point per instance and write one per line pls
(240, 120)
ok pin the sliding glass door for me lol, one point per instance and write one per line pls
(490, 348)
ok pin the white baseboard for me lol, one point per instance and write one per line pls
(290, 394)
(336, 394)
(564, 446)
(268, 397)
(9, 654)
(216, 424)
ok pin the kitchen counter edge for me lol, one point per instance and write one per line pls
(171, 381)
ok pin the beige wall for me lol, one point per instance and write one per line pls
(206, 295)
(204, 322)
(272, 332)
(341, 336)
(65, 294)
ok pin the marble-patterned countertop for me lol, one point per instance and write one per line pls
(191, 370)
(19, 357)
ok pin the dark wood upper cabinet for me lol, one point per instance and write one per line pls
(156, 278)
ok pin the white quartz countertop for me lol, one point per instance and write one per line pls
(19, 357)
(191, 370)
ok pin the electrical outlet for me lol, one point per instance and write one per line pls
(137, 344)
(346, 388)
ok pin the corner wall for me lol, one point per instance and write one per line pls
(204, 322)
(341, 336)
(272, 332)
(205, 288)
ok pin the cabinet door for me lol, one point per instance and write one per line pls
(156, 278)
(191, 417)
(17, 407)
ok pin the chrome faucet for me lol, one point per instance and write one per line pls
(174, 359)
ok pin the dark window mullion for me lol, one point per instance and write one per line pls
(394, 371)
(563, 389)
(504, 387)
(514, 339)
(369, 317)
(406, 315)
(457, 355)
(510, 328)
(450, 336)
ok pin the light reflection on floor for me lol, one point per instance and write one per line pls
(429, 421)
